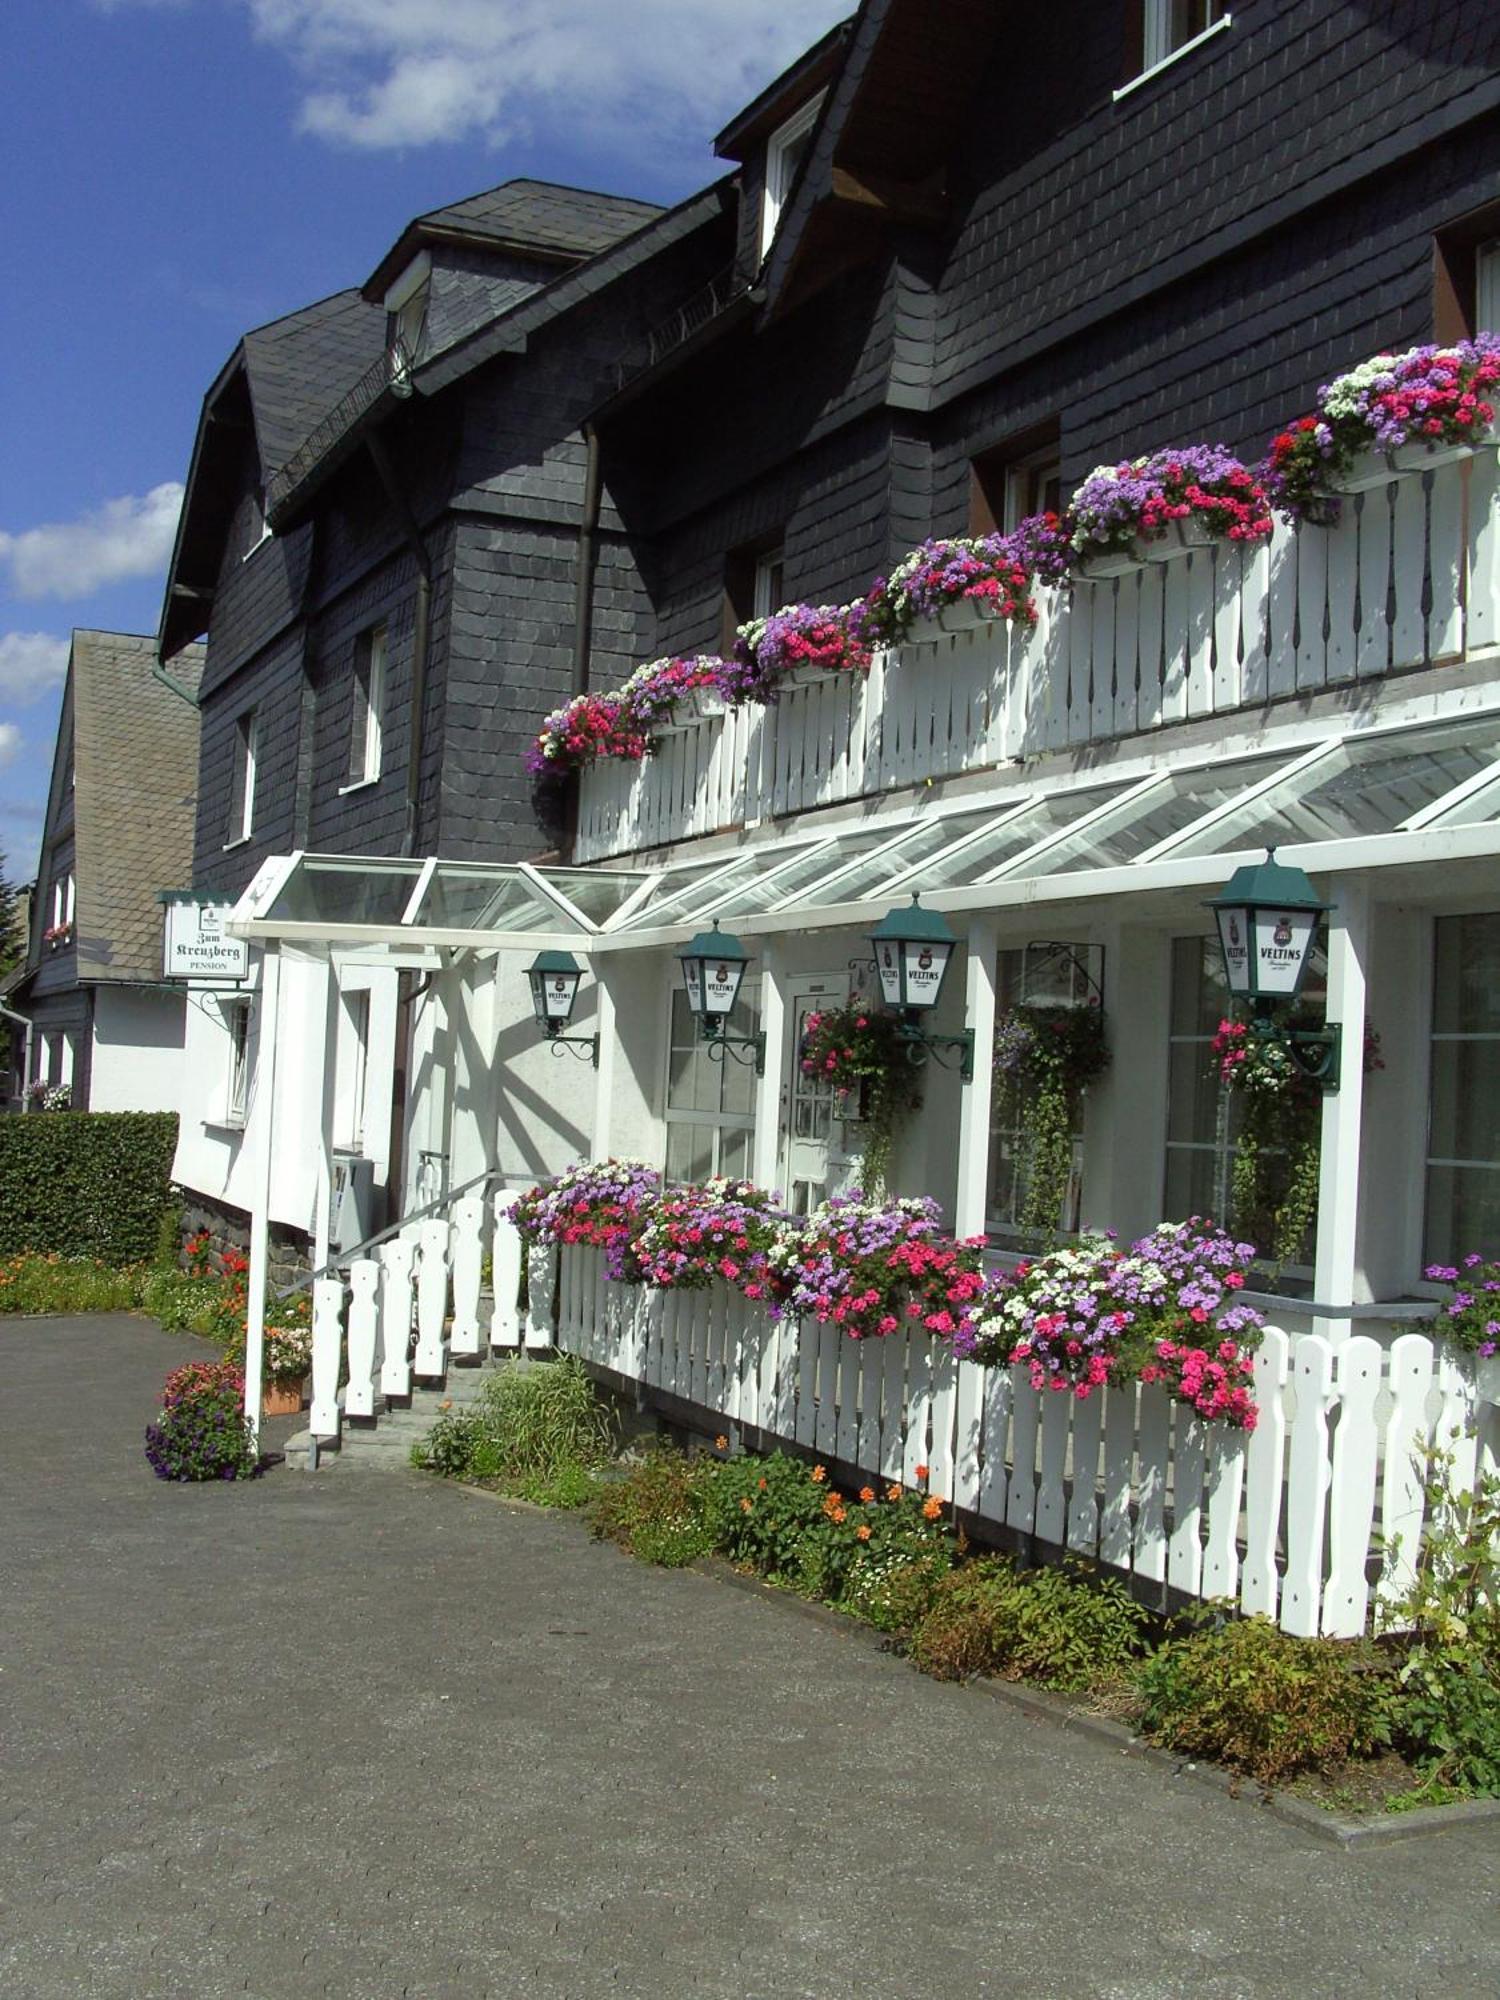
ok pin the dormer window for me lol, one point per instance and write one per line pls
(785, 151)
(406, 311)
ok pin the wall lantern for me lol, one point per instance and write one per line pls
(713, 970)
(554, 978)
(913, 949)
(1268, 922)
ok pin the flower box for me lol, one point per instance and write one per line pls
(1103, 564)
(964, 614)
(1176, 538)
(1419, 457)
(1366, 471)
(700, 704)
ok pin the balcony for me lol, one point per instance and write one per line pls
(1409, 578)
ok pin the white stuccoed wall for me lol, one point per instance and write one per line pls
(137, 1061)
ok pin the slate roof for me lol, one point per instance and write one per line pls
(300, 366)
(546, 216)
(135, 758)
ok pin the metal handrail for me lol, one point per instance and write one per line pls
(347, 1257)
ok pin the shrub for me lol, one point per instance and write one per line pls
(1254, 1698)
(660, 1510)
(1446, 1714)
(202, 1431)
(1070, 1628)
(93, 1184)
(536, 1422)
(54, 1284)
(184, 1303)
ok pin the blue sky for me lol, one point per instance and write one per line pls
(180, 170)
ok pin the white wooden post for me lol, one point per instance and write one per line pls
(364, 1316)
(766, 1150)
(609, 1045)
(327, 1071)
(263, 1106)
(468, 1261)
(505, 1327)
(1336, 1268)
(327, 1345)
(974, 1103)
(431, 1360)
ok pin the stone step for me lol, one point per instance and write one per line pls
(388, 1441)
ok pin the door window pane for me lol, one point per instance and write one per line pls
(710, 1098)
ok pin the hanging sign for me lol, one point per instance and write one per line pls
(195, 945)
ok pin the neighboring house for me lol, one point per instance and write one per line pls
(119, 829)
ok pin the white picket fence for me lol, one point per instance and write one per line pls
(1410, 576)
(1305, 1520)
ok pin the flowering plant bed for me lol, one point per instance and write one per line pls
(1158, 505)
(597, 1205)
(1470, 1316)
(202, 1432)
(589, 726)
(824, 638)
(689, 1237)
(1164, 1311)
(288, 1354)
(946, 581)
(871, 1268)
(1393, 413)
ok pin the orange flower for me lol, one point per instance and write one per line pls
(819, 1473)
(746, 1504)
(839, 1516)
(721, 1444)
(863, 1533)
(921, 1472)
(867, 1494)
(761, 1484)
(932, 1508)
(893, 1493)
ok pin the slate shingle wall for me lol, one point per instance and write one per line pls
(272, 686)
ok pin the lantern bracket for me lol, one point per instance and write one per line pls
(721, 1044)
(1316, 1052)
(947, 1051)
(584, 1047)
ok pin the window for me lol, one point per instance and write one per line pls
(1463, 1151)
(257, 530)
(769, 590)
(406, 312)
(367, 708)
(710, 1103)
(1204, 1121)
(1015, 480)
(1059, 983)
(236, 1016)
(1158, 30)
(1487, 288)
(351, 1058)
(754, 585)
(242, 781)
(786, 149)
(64, 894)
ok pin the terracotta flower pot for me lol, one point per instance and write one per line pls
(282, 1399)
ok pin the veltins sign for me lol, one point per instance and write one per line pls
(196, 947)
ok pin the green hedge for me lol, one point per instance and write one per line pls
(86, 1183)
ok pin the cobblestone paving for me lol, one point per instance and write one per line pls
(364, 1735)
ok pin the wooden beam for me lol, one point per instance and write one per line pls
(896, 201)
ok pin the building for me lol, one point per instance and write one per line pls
(104, 1029)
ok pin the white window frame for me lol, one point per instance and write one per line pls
(1156, 42)
(766, 594)
(261, 526)
(246, 748)
(744, 1019)
(352, 1056)
(236, 1014)
(1436, 1038)
(412, 288)
(368, 708)
(781, 168)
(1020, 478)
(1487, 287)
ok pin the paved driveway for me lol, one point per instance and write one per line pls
(363, 1734)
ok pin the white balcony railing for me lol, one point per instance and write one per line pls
(1410, 577)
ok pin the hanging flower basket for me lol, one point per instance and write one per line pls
(1177, 538)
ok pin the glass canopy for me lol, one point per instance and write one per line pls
(1363, 784)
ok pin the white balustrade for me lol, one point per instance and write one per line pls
(327, 1352)
(397, 1259)
(1409, 576)
(505, 1261)
(1287, 1521)
(364, 1321)
(430, 1361)
(467, 1250)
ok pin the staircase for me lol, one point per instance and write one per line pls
(387, 1438)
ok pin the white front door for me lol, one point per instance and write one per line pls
(808, 1125)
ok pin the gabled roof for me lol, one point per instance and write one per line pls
(135, 762)
(536, 218)
(880, 150)
(780, 98)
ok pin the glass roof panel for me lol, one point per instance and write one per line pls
(989, 850)
(338, 889)
(1476, 809)
(866, 877)
(478, 897)
(781, 883)
(595, 892)
(684, 894)
(1133, 827)
(1367, 785)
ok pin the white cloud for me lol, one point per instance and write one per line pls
(10, 743)
(128, 537)
(30, 663)
(654, 75)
